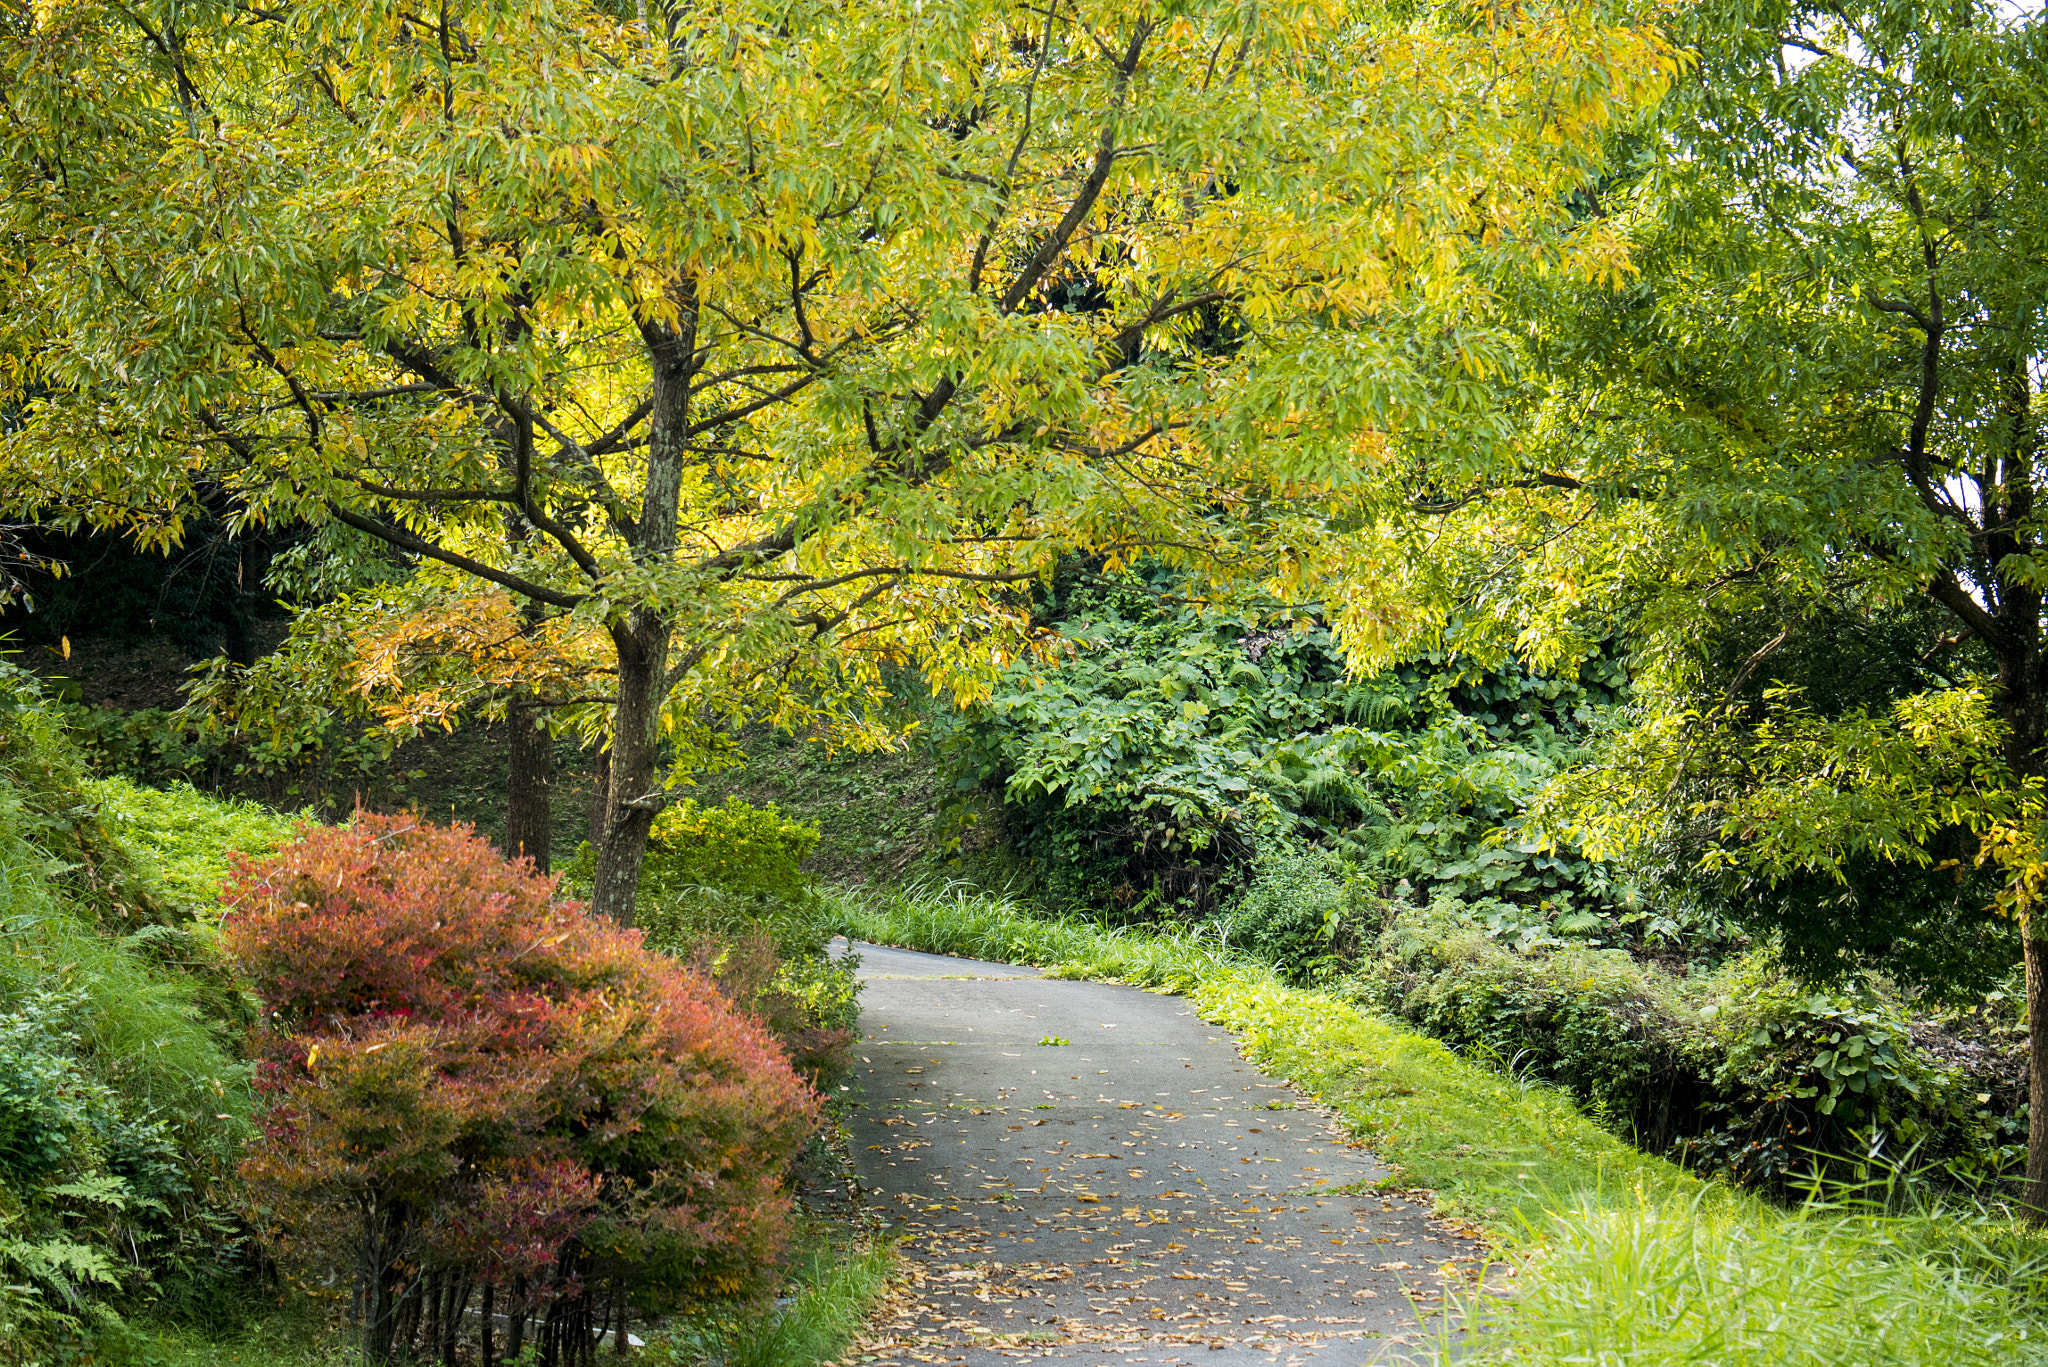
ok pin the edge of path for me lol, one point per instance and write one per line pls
(1492, 1151)
(1605, 1238)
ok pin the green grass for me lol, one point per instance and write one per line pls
(1660, 1283)
(298, 1332)
(186, 838)
(822, 1308)
(1624, 1259)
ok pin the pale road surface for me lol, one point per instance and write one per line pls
(1140, 1195)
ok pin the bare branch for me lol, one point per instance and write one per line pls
(394, 535)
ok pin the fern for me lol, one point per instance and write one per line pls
(59, 1266)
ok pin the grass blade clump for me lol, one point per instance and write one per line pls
(820, 1319)
(827, 1298)
(1672, 1282)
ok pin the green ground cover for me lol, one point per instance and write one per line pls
(186, 839)
(1621, 1257)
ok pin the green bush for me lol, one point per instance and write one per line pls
(1621, 1037)
(1303, 912)
(148, 743)
(737, 847)
(1739, 1071)
(1143, 773)
(1800, 1073)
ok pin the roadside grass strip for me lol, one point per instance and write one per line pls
(1619, 1257)
(824, 1305)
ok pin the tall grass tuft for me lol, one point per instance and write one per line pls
(820, 1320)
(1661, 1283)
(828, 1299)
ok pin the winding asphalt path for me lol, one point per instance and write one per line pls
(1093, 1174)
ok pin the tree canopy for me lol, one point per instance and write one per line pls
(1818, 399)
(700, 367)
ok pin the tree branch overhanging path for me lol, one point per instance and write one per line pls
(754, 353)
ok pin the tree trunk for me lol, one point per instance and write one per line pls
(515, 1332)
(456, 1308)
(600, 796)
(529, 786)
(640, 636)
(432, 1285)
(407, 1317)
(2022, 690)
(376, 1271)
(2034, 1196)
(483, 1341)
(635, 792)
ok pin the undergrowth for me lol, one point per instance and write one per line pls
(122, 1105)
(187, 839)
(1623, 1258)
(823, 1307)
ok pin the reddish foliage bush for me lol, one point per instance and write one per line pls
(500, 1089)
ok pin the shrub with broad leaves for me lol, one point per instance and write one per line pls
(474, 1087)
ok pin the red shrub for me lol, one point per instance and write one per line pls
(499, 1087)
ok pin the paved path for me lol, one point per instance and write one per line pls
(1136, 1193)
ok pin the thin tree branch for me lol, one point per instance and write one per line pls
(405, 540)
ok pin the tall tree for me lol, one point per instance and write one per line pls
(1821, 396)
(786, 335)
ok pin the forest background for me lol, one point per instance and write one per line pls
(1523, 517)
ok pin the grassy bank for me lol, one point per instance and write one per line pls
(1624, 1258)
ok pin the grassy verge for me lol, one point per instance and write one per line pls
(810, 1325)
(299, 1332)
(1624, 1258)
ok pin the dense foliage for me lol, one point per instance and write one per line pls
(1742, 1070)
(1178, 750)
(1820, 398)
(471, 1085)
(746, 850)
(122, 1103)
(1396, 833)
